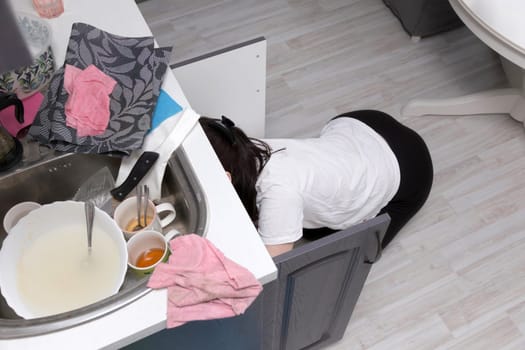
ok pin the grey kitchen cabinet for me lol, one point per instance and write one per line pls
(422, 18)
(307, 307)
(310, 303)
(243, 332)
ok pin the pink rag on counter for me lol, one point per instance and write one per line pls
(87, 107)
(202, 283)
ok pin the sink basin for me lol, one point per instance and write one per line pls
(58, 178)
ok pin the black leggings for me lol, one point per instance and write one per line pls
(415, 166)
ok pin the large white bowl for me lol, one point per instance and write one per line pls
(43, 224)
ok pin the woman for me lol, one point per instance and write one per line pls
(363, 164)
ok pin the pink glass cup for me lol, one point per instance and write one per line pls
(49, 8)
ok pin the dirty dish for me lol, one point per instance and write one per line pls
(17, 212)
(42, 261)
(147, 250)
(158, 216)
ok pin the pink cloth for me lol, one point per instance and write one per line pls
(31, 105)
(87, 108)
(202, 283)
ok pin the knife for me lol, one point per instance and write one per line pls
(164, 140)
(139, 170)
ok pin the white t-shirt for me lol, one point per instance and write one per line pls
(344, 177)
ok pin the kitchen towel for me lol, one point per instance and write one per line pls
(87, 107)
(138, 69)
(202, 283)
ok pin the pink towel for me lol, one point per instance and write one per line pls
(202, 283)
(87, 107)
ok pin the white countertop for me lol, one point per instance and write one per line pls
(229, 227)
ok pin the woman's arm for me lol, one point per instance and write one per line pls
(280, 221)
(277, 249)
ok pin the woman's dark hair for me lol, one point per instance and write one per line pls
(244, 157)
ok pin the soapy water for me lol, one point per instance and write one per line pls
(53, 275)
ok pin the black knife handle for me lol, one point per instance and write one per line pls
(139, 170)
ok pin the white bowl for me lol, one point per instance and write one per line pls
(45, 268)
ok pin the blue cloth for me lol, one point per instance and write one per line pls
(165, 108)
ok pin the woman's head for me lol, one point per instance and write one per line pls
(242, 156)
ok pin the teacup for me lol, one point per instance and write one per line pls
(126, 217)
(17, 212)
(147, 250)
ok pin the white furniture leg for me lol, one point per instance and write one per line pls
(500, 101)
(490, 23)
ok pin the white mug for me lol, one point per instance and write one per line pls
(149, 249)
(17, 212)
(126, 216)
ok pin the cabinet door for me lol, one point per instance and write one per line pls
(311, 302)
(230, 82)
(241, 332)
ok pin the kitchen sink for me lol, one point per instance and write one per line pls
(50, 177)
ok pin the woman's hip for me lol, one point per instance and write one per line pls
(413, 156)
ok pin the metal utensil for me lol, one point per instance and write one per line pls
(89, 209)
(139, 226)
(142, 206)
(146, 202)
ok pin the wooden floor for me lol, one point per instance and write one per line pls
(454, 278)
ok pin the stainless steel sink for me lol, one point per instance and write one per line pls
(52, 177)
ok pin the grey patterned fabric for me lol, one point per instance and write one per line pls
(137, 67)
